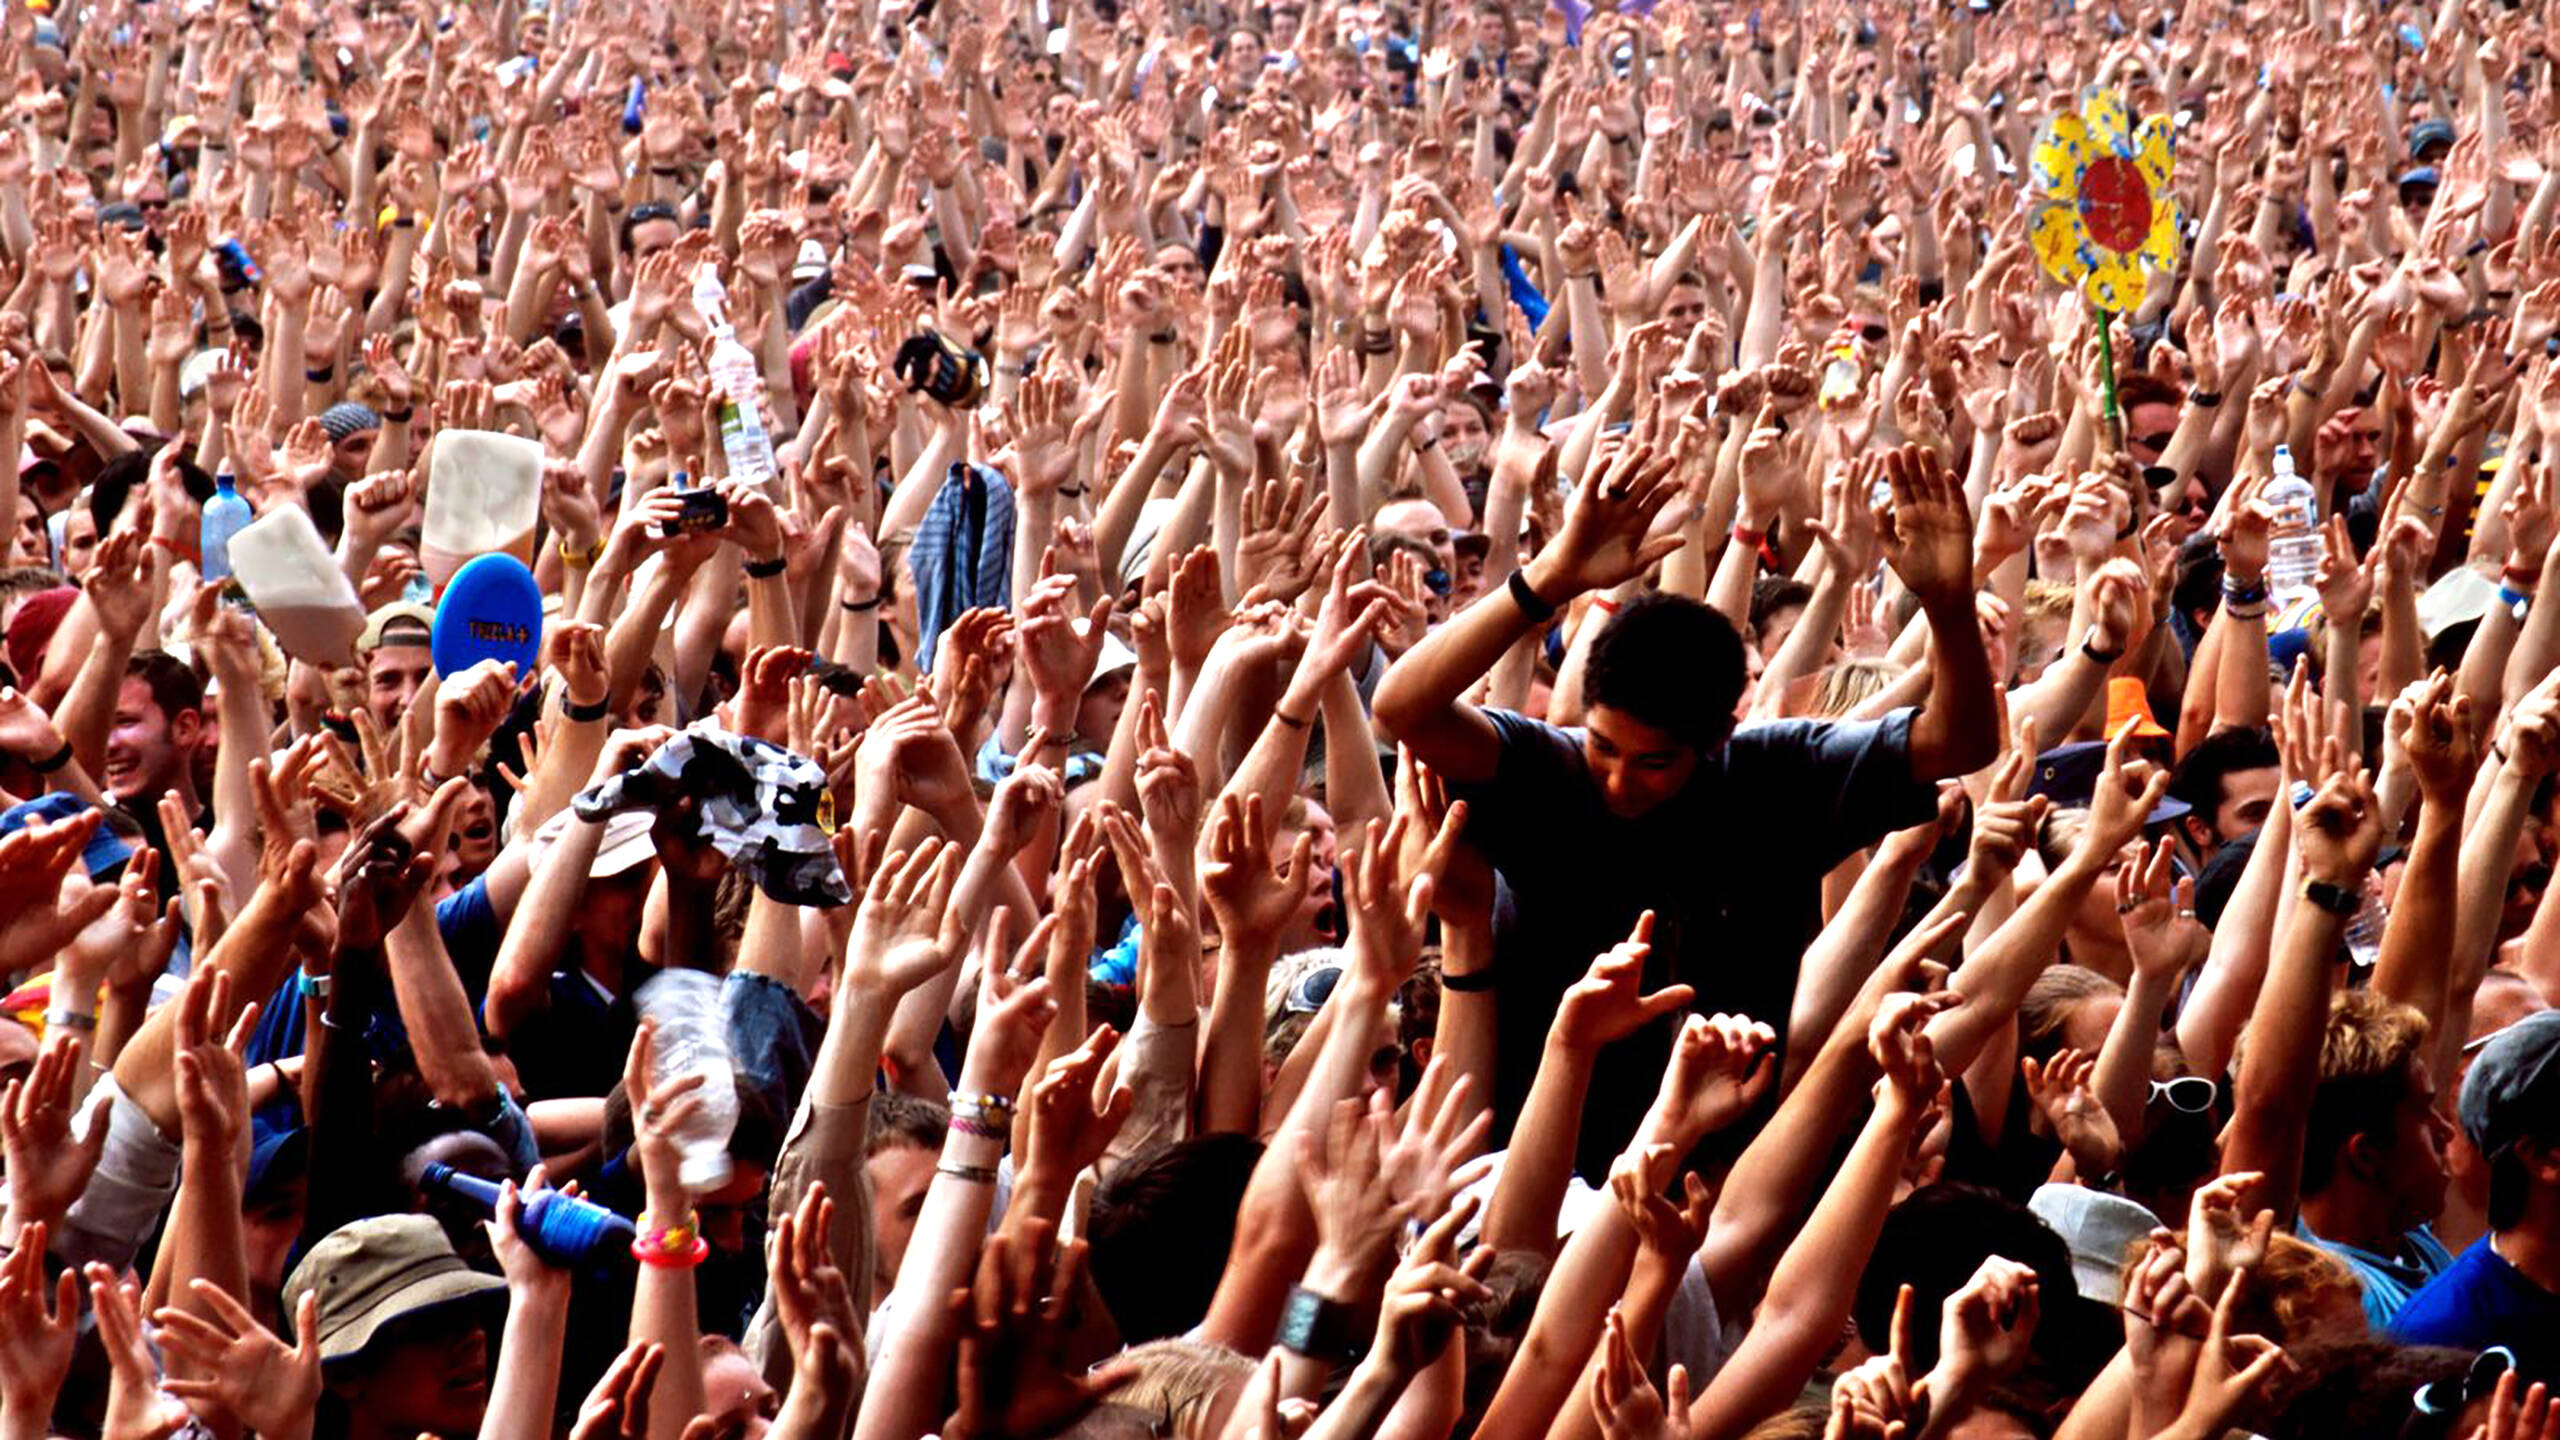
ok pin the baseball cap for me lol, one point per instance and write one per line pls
(626, 842)
(2069, 775)
(378, 1270)
(2430, 137)
(2426, 175)
(105, 851)
(2513, 1090)
(402, 622)
(1116, 656)
(2459, 597)
(2098, 1228)
(31, 629)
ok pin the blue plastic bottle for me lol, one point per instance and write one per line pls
(568, 1232)
(225, 515)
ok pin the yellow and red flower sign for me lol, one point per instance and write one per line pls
(2103, 205)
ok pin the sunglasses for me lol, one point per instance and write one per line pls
(2449, 1395)
(2187, 1094)
(1312, 990)
(1436, 581)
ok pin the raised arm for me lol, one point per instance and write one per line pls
(1604, 544)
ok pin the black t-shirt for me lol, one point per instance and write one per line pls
(1732, 868)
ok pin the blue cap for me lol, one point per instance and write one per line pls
(2423, 175)
(2430, 136)
(105, 851)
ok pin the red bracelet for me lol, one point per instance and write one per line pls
(1604, 604)
(686, 1259)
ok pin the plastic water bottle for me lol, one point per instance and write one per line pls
(567, 1232)
(693, 1039)
(225, 515)
(741, 385)
(2294, 546)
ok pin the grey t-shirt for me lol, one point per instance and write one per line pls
(1731, 867)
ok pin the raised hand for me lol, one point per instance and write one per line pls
(241, 1370)
(1607, 1004)
(1013, 1375)
(1926, 531)
(35, 1336)
(1718, 1072)
(2060, 1089)
(1606, 540)
(48, 1166)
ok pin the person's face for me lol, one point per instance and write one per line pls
(1183, 267)
(2085, 1030)
(1467, 581)
(740, 1404)
(2248, 797)
(1776, 626)
(147, 749)
(1636, 766)
(475, 833)
(2415, 1168)
(79, 540)
(900, 1175)
(393, 676)
(1684, 307)
(724, 1211)
(609, 912)
(1463, 436)
(2148, 429)
(1321, 856)
(434, 1381)
(348, 457)
(1098, 713)
(1423, 521)
(651, 236)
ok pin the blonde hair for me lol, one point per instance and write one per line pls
(1179, 1381)
(1847, 684)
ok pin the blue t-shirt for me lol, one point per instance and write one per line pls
(1731, 866)
(2481, 1300)
(2388, 1280)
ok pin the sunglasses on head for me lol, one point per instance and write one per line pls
(1312, 990)
(2187, 1094)
(2448, 1396)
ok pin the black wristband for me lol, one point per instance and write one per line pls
(1537, 609)
(1474, 982)
(321, 377)
(856, 607)
(54, 761)
(767, 569)
(399, 417)
(2204, 399)
(2336, 899)
(585, 714)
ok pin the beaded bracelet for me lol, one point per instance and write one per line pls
(961, 1101)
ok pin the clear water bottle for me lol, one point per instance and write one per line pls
(566, 1231)
(2294, 546)
(2364, 932)
(225, 515)
(741, 384)
(693, 1039)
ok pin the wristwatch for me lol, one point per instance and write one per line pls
(1317, 1327)
(2336, 899)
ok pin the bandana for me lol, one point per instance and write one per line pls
(762, 806)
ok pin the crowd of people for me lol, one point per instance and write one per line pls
(1262, 720)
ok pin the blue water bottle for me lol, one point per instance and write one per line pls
(567, 1232)
(225, 515)
(635, 106)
